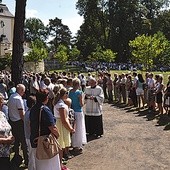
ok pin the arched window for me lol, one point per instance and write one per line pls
(1, 10)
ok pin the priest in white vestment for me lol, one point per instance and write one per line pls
(94, 98)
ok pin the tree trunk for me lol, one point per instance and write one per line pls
(17, 55)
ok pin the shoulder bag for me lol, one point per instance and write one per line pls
(47, 145)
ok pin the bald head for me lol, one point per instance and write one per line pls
(20, 89)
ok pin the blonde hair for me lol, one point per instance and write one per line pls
(76, 82)
(68, 102)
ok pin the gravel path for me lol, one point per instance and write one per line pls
(131, 141)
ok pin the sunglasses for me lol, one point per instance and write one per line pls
(66, 92)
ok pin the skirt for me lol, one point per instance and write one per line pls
(64, 137)
(94, 125)
(79, 137)
(48, 164)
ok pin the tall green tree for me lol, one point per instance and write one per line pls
(74, 54)
(35, 29)
(38, 51)
(146, 49)
(62, 55)
(59, 33)
(17, 54)
(162, 23)
(150, 11)
(93, 31)
(113, 23)
(126, 22)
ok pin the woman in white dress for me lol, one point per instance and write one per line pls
(79, 137)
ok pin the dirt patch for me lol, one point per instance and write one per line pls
(132, 141)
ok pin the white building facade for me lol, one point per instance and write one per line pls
(6, 30)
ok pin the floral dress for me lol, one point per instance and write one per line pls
(5, 131)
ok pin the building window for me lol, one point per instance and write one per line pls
(1, 10)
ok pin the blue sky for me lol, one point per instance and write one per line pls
(49, 9)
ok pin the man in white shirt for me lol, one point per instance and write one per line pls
(16, 119)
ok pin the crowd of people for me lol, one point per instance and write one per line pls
(139, 91)
(60, 99)
(71, 109)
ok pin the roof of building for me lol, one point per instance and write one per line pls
(4, 11)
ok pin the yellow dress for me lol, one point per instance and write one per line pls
(64, 137)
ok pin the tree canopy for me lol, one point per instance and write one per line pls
(146, 49)
(35, 29)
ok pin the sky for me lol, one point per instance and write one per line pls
(50, 9)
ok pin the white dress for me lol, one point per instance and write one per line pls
(48, 164)
(79, 137)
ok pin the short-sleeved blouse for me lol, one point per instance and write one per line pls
(5, 131)
(59, 105)
(74, 96)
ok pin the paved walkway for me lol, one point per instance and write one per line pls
(132, 141)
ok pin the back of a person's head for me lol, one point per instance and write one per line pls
(42, 95)
(11, 84)
(69, 81)
(76, 82)
(64, 73)
(47, 81)
(60, 93)
(20, 88)
(57, 87)
(135, 74)
(31, 100)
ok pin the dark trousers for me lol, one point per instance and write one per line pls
(105, 92)
(134, 97)
(5, 163)
(19, 134)
(110, 96)
(94, 125)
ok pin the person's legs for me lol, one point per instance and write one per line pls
(5, 163)
(31, 163)
(124, 94)
(138, 101)
(110, 94)
(105, 92)
(143, 100)
(14, 126)
(160, 108)
(22, 140)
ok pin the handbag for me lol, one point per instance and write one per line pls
(47, 145)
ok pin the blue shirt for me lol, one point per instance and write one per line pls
(47, 119)
(74, 96)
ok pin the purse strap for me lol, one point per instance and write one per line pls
(39, 128)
